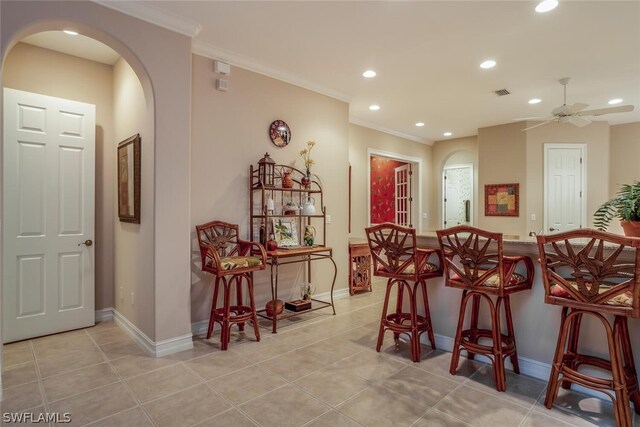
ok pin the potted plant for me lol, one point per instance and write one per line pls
(625, 206)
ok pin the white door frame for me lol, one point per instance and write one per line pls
(395, 156)
(458, 166)
(583, 181)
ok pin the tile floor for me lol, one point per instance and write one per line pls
(319, 370)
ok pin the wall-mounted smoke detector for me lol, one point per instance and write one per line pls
(501, 92)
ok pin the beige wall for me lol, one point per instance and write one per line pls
(624, 154)
(502, 158)
(134, 242)
(162, 61)
(43, 71)
(462, 148)
(230, 132)
(596, 138)
(360, 140)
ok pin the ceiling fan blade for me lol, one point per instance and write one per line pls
(535, 126)
(576, 121)
(533, 118)
(576, 107)
(606, 110)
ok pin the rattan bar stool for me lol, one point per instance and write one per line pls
(396, 257)
(230, 260)
(589, 272)
(474, 262)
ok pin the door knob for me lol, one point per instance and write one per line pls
(553, 229)
(86, 243)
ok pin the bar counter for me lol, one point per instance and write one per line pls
(536, 323)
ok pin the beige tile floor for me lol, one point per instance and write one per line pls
(319, 370)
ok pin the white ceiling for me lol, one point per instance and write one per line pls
(427, 55)
(78, 45)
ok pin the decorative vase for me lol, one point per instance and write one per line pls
(287, 182)
(306, 179)
(306, 291)
(309, 235)
(279, 307)
(631, 228)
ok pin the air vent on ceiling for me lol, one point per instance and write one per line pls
(501, 92)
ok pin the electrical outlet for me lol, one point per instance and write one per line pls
(328, 219)
(424, 215)
(533, 217)
(132, 300)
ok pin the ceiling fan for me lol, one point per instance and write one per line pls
(575, 113)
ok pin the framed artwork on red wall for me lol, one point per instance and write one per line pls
(502, 200)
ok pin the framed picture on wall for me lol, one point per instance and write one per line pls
(129, 179)
(502, 200)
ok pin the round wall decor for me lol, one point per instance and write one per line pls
(279, 133)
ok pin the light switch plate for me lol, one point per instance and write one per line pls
(328, 219)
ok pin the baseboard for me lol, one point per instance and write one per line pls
(530, 367)
(150, 347)
(200, 327)
(104, 314)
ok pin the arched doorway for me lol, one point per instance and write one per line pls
(128, 110)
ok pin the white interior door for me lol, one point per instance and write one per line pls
(403, 195)
(457, 195)
(564, 173)
(49, 160)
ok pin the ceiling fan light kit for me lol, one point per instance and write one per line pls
(574, 114)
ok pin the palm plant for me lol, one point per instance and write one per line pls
(625, 206)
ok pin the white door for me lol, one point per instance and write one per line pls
(49, 159)
(457, 195)
(564, 173)
(403, 195)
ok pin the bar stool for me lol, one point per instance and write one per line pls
(396, 257)
(584, 271)
(474, 262)
(230, 260)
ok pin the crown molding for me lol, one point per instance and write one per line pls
(363, 123)
(143, 11)
(209, 51)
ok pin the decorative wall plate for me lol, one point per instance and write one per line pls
(280, 133)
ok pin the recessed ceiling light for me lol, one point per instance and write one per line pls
(546, 6)
(615, 101)
(447, 134)
(419, 124)
(71, 33)
(369, 73)
(374, 107)
(489, 63)
(535, 101)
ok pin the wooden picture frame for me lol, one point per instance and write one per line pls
(129, 152)
(285, 232)
(502, 199)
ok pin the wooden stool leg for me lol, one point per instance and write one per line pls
(415, 337)
(226, 328)
(214, 302)
(475, 311)
(552, 385)
(498, 363)
(427, 315)
(383, 319)
(621, 405)
(239, 298)
(512, 335)
(399, 299)
(572, 346)
(252, 303)
(455, 354)
(627, 355)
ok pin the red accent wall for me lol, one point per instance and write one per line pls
(383, 190)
